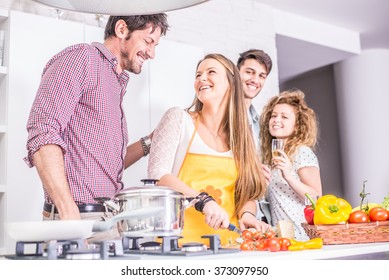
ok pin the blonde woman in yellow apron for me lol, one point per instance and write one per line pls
(208, 149)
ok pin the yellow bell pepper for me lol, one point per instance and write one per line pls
(298, 246)
(314, 243)
(331, 210)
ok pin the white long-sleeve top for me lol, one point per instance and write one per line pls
(170, 143)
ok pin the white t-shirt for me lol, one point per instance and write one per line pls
(285, 204)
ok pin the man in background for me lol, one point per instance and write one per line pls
(254, 67)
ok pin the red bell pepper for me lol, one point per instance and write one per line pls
(309, 210)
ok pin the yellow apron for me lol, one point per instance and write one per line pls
(215, 175)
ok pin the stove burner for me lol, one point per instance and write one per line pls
(83, 254)
(150, 246)
(124, 248)
(194, 247)
(169, 246)
(70, 250)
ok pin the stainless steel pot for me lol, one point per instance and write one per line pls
(167, 222)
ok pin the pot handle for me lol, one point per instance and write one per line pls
(191, 201)
(112, 205)
(140, 213)
(108, 203)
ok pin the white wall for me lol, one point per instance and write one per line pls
(362, 94)
(229, 27)
(147, 100)
(225, 26)
(26, 62)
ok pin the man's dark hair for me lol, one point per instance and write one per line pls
(137, 23)
(259, 55)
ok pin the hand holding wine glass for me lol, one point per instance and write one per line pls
(277, 145)
(279, 159)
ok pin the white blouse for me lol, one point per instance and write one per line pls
(170, 143)
(285, 204)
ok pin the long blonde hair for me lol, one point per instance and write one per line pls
(250, 184)
(305, 129)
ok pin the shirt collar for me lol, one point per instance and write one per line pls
(110, 57)
(106, 52)
(253, 113)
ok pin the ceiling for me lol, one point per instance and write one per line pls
(368, 17)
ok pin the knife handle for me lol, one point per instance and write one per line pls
(232, 227)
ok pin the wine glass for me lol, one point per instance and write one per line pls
(276, 146)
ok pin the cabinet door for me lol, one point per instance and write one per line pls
(165, 82)
(35, 39)
(172, 76)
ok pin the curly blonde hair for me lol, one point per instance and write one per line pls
(305, 130)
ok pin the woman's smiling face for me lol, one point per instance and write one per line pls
(282, 121)
(211, 80)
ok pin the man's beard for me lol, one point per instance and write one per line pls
(128, 64)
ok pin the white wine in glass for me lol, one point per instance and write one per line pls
(276, 146)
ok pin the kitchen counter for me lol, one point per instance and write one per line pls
(378, 251)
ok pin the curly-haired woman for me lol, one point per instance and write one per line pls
(296, 170)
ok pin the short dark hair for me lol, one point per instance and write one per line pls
(259, 55)
(138, 22)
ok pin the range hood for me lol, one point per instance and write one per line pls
(121, 7)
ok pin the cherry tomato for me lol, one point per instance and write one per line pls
(378, 214)
(247, 246)
(261, 245)
(358, 216)
(269, 234)
(273, 244)
(247, 234)
(258, 235)
(285, 243)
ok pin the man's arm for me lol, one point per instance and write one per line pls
(134, 153)
(49, 163)
(137, 150)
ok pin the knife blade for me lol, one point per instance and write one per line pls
(234, 228)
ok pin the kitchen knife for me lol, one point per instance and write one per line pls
(234, 228)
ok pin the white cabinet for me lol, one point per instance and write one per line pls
(164, 82)
(3, 125)
(34, 40)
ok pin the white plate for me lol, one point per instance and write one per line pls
(33, 231)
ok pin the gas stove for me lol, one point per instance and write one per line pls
(68, 250)
(125, 248)
(169, 246)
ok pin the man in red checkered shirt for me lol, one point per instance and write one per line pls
(77, 130)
